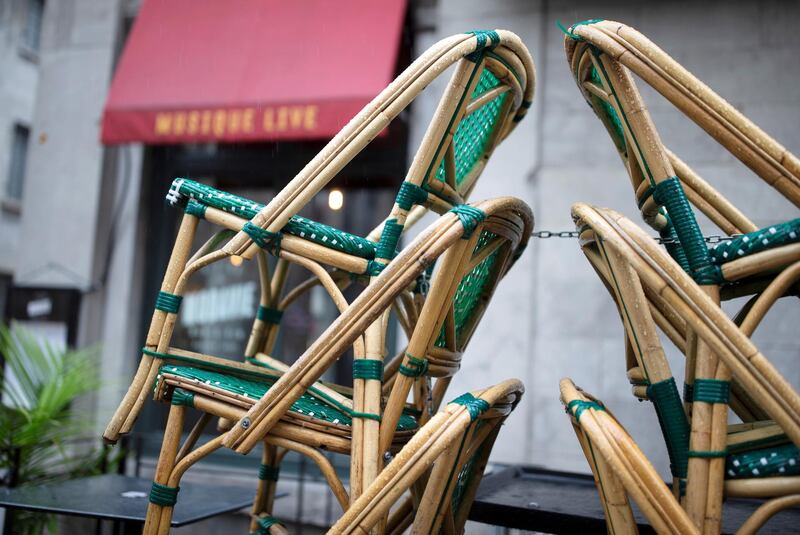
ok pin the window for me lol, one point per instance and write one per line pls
(32, 32)
(19, 156)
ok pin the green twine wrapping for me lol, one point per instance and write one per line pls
(709, 454)
(269, 241)
(168, 302)
(389, 238)
(182, 397)
(370, 369)
(580, 405)
(569, 31)
(163, 495)
(416, 367)
(711, 391)
(366, 415)
(269, 315)
(409, 195)
(475, 406)
(267, 472)
(469, 216)
(483, 35)
(673, 244)
(669, 193)
(195, 208)
(674, 424)
(374, 268)
(264, 523)
(688, 392)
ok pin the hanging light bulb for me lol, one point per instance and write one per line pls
(335, 199)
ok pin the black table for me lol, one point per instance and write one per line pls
(124, 499)
(542, 500)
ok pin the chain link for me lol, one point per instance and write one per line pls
(545, 234)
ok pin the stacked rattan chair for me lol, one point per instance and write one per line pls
(680, 292)
(287, 407)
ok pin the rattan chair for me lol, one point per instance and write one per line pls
(708, 457)
(441, 468)
(291, 409)
(489, 92)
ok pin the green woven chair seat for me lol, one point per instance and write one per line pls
(328, 411)
(757, 241)
(319, 233)
(766, 462)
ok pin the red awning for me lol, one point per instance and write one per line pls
(248, 70)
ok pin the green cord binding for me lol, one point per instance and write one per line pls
(366, 415)
(269, 241)
(757, 241)
(483, 35)
(569, 31)
(267, 472)
(581, 405)
(688, 392)
(168, 302)
(374, 268)
(370, 369)
(416, 367)
(182, 397)
(264, 523)
(409, 195)
(674, 424)
(475, 406)
(470, 218)
(673, 245)
(708, 454)
(670, 194)
(196, 209)
(163, 495)
(389, 238)
(269, 315)
(711, 391)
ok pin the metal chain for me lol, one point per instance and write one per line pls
(544, 234)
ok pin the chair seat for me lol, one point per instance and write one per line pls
(245, 392)
(771, 461)
(318, 233)
(757, 241)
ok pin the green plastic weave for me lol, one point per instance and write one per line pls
(307, 404)
(297, 226)
(768, 462)
(757, 241)
(471, 289)
(674, 424)
(475, 130)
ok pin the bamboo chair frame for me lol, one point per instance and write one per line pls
(453, 232)
(441, 466)
(653, 292)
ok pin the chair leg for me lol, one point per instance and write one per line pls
(162, 494)
(267, 481)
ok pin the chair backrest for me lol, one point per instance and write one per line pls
(451, 450)
(602, 56)
(460, 290)
(620, 469)
(489, 92)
